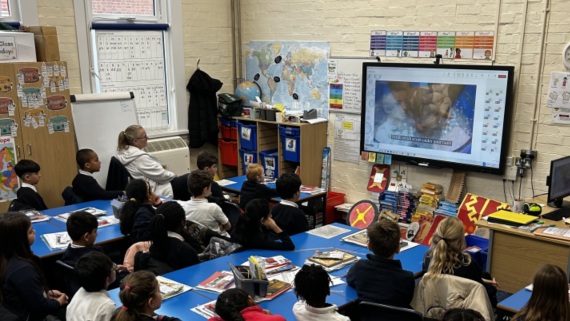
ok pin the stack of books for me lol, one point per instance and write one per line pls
(57, 241)
(431, 195)
(102, 220)
(359, 238)
(35, 216)
(207, 310)
(401, 203)
(333, 263)
(446, 208)
(218, 282)
(274, 264)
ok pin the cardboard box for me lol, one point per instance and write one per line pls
(23, 51)
(47, 45)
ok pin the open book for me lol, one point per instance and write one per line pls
(35, 216)
(91, 210)
(207, 310)
(333, 265)
(218, 282)
(57, 241)
(169, 288)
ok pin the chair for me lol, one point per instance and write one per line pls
(370, 311)
(69, 196)
(65, 272)
(232, 212)
(118, 176)
(17, 205)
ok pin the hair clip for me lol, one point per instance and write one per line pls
(127, 287)
(124, 307)
(133, 199)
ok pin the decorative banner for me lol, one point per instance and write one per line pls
(378, 178)
(434, 225)
(362, 214)
(8, 48)
(474, 207)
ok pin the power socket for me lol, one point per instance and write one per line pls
(521, 171)
(510, 173)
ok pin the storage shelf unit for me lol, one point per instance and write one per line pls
(313, 140)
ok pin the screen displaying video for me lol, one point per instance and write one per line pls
(440, 114)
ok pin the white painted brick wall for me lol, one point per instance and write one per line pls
(347, 26)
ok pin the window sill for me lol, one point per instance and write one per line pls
(169, 133)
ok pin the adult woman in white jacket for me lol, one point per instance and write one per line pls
(142, 165)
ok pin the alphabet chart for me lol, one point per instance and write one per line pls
(134, 61)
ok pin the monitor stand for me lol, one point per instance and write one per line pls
(559, 203)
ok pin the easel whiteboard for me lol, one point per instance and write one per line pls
(346, 95)
(98, 120)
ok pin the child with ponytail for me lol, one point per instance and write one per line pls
(168, 245)
(236, 305)
(447, 256)
(549, 299)
(23, 288)
(252, 227)
(140, 296)
(137, 212)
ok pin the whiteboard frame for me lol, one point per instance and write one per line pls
(372, 59)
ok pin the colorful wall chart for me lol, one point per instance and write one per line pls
(411, 44)
(483, 45)
(428, 44)
(378, 43)
(335, 96)
(464, 44)
(446, 44)
(394, 42)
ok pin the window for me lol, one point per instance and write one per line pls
(132, 45)
(16, 12)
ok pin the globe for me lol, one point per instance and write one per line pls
(247, 91)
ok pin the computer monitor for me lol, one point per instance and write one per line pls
(559, 182)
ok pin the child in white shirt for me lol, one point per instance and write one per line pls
(198, 209)
(94, 272)
(312, 286)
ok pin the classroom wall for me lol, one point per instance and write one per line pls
(206, 37)
(347, 26)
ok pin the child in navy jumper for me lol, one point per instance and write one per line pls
(252, 188)
(29, 172)
(82, 229)
(209, 163)
(25, 292)
(381, 279)
(84, 184)
(287, 214)
(138, 211)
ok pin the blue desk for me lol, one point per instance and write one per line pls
(343, 294)
(516, 301)
(106, 234)
(239, 180)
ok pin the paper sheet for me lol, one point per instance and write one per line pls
(347, 138)
(205, 312)
(134, 61)
(225, 182)
(328, 231)
(559, 92)
(560, 116)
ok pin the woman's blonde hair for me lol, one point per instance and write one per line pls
(127, 136)
(447, 246)
(253, 171)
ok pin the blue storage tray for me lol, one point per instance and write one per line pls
(251, 158)
(247, 136)
(270, 166)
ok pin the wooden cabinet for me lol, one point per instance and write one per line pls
(44, 124)
(313, 139)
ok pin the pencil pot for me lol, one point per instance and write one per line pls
(242, 279)
(269, 159)
(291, 138)
(247, 136)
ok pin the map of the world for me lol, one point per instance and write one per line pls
(290, 73)
(9, 185)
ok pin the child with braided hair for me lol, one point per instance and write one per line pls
(138, 211)
(236, 305)
(312, 285)
(140, 295)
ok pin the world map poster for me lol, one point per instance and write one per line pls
(9, 180)
(290, 73)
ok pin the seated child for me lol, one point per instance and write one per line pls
(250, 234)
(25, 291)
(549, 299)
(209, 163)
(29, 172)
(252, 188)
(94, 272)
(82, 229)
(312, 285)
(447, 256)
(287, 214)
(84, 185)
(198, 209)
(168, 245)
(140, 296)
(381, 279)
(137, 212)
(236, 304)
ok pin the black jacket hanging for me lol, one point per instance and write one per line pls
(203, 109)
